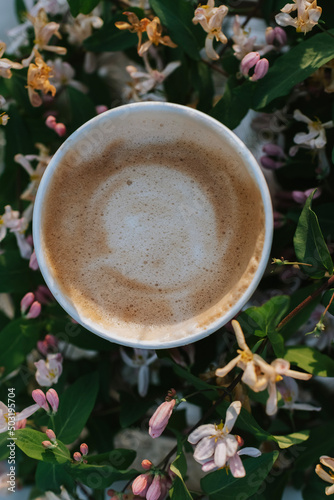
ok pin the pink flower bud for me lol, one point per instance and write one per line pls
(49, 344)
(21, 424)
(34, 311)
(279, 220)
(77, 456)
(270, 164)
(50, 122)
(39, 397)
(60, 129)
(261, 69)
(84, 449)
(33, 264)
(53, 399)
(160, 417)
(154, 491)
(146, 464)
(26, 302)
(273, 150)
(270, 35)
(43, 295)
(47, 444)
(50, 434)
(141, 484)
(280, 35)
(101, 108)
(250, 60)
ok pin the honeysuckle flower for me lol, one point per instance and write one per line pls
(12, 221)
(77, 456)
(255, 368)
(243, 43)
(53, 399)
(154, 33)
(252, 60)
(48, 445)
(48, 345)
(276, 35)
(51, 435)
(63, 75)
(134, 25)
(5, 64)
(38, 79)
(234, 463)
(3, 116)
(288, 388)
(308, 14)
(214, 442)
(81, 27)
(44, 30)
(35, 174)
(59, 128)
(141, 360)
(7, 415)
(146, 464)
(301, 196)
(316, 136)
(326, 476)
(159, 420)
(40, 399)
(49, 371)
(144, 82)
(141, 484)
(29, 302)
(281, 368)
(211, 19)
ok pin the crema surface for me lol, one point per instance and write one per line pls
(152, 238)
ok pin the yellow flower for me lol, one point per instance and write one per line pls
(154, 31)
(134, 25)
(5, 64)
(38, 79)
(308, 14)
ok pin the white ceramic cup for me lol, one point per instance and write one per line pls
(111, 124)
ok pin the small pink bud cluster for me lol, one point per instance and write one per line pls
(277, 35)
(59, 128)
(50, 399)
(29, 302)
(253, 60)
(52, 443)
(152, 485)
(48, 345)
(78, 456)
(273, 156)
(159, 420)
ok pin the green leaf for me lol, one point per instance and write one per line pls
(179, 491)
(110, 38)
(309, 243)
(98, 476)
(119, 458)
(202, 81)
(220, 485)
(292, 439)
(15, 275)
(82, 6)
(75, 406)
(132, 409)
(310, 360)
(52, 477)
(16, 340)
(177, 17)
(30, 442)
(293, 67)
(208, 391)
(235, 103)
(320, 442)
(326, 298)
(79, 107)
(4, 450)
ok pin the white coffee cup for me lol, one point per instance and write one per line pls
(152, 123)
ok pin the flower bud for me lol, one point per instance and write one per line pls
(34, 311)
(77, 456)
(51, 435)
(146, 464)
(50, 121)
(280, 35)
(301, 196)
(40, 399)
(60, 129)
(154, 491)
(26, 302)
(270, 164)
(33, 264)
(250, 60)
(84, 449)
(270, 35)
(101, 108)
(239, 440)
(160, 417)
(261, 69)
(273, 150)
(47, 444)
(141, 484)
(53, 399)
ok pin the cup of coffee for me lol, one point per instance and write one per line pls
(152, 225)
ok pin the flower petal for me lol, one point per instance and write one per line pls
(271, 407)
(236, 466)
(323, 474)
(201, 432)
(27, 412)
(222, 372)
(250, 451)
(328, 461)
(231, 445)
(329, 490)
(220, 453)
(232, 413)
(143, 380)
(205, 448)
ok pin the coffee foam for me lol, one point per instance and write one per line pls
(154, 240)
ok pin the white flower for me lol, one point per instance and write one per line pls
(141, 360)
(243, 43)
(7, 416)
(36, 174)
(81, 27)
(63, 75)
(288, 388)
(328, 477)
(256, 370)
(11, 220)
(49, 371)
(234, 463)
(308, 14)
(5, 64)
(211, 19)
(214, 442)
(144, 82)
(316, 136)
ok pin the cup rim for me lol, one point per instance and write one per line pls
(252, 165)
